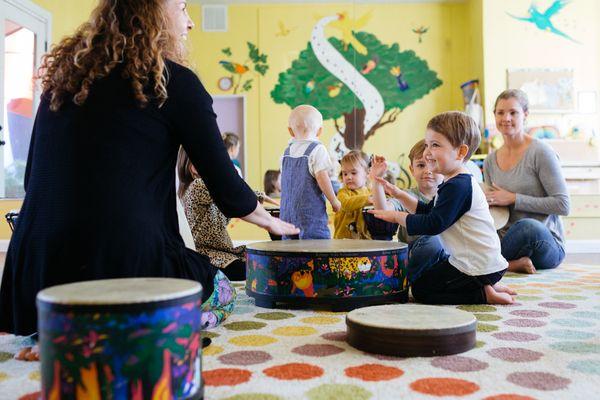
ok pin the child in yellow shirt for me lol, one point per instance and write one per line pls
(354, 195)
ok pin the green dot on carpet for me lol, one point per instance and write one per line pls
(479, 344)
(477, 308)
(487, 317)
(4, 356)
(338, 391)
(210, 335)
(272, 316)
(486, 328)
(244, 325)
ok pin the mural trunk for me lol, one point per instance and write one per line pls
(354, 135)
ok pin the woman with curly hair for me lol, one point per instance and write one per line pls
(100, 180)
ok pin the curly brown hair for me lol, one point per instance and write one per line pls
(131, 33)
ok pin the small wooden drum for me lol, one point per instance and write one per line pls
(500, 216)
(133, 338)
(378, 228)
(343, 274)
(411, 330)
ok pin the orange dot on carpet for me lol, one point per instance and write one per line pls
(509, 397)
(373, 372)
(294, 371)
(444, 386)
(31, 396)
(226, 376)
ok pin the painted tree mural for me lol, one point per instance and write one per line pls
(394, 80)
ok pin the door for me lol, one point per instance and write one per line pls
(24, 29)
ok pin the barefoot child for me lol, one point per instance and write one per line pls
(470, 267)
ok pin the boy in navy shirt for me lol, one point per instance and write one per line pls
(467, 269)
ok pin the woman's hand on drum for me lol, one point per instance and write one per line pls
(497, 196)
(279, 227)
(378, 167)
(398, 217)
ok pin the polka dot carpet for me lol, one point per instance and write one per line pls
(547, 346)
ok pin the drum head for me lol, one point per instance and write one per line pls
(119, 291)
(500, 216)
(326, 246)
(411, 330)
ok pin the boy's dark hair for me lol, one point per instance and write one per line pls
(417, 151)
(269, 181)
(458, 128)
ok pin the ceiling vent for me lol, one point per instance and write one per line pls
(214, 18)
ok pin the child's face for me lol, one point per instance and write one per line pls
(426, 179)
(235, 151)
(354, 176)
(439, 152)
(510, 117)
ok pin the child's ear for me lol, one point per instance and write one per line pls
(412, 170)
(463, 150)
(319, 131)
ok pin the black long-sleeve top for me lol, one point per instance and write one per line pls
(100, 192)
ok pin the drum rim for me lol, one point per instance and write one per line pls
(250, 248)
(48, 295)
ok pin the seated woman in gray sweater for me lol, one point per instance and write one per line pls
(524, 174)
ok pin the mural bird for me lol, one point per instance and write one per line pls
(542, 21)
(348, 26)
(283, 30)
(334, 90)
(370, 65)
(397, 72)
(234, 67)
(420, 31)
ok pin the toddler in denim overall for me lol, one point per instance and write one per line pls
(305, 182)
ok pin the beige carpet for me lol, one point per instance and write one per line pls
(547, 346)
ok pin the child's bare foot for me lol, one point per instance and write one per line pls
(29, 354)
(504, 289)
(523, 266)
(494, 297)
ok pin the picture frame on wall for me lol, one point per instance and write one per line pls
(549, 90)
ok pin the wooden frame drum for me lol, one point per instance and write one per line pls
(343, 274)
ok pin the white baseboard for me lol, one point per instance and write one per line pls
(572, 246)
(582, 246)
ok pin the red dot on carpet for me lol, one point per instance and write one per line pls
(444, 386)
(373, 372)
(294, 371)
(226, 377)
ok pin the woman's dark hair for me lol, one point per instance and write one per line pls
(270, 179)
(184, 172)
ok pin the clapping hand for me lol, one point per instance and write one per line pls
(378, 167)
(390, 190)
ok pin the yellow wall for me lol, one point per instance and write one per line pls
(445, 47)
(509, 43)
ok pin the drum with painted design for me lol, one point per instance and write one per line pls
(342, 274)
(135, 338)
